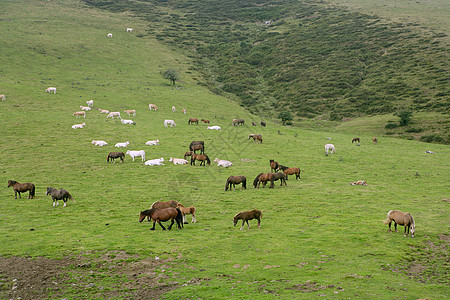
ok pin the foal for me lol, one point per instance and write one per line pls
(248, 215)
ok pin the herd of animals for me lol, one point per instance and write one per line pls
(176, 212)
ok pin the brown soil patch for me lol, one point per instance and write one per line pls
(312, 286)
(105, 275)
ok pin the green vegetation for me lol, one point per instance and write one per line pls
(171, 75)
(319, 236)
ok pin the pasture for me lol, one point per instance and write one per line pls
(318, 236)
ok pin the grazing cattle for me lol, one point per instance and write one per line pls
(173, 108)
(99, 143)
(223, 163)
(51, 90)
(123, 121)
(21, 188)
(357, 140)
(162, 215)
(109, 35)
(263, 124)
(192, 121)
(359, 182)
(3, 97)
(103, 111)
(129, 29)
(155, 162)
(290, 171)
(90, 103)
(206, 121)
(329, 147)
(79, 114)
(237, 122)
(233, 180)
(59, 195)
(85, 108)
(245, 216)
(153, 107)
(130, 112)
(204, 159)
(118, 145)
(153, 143)
(274, 166)
(374, 140)
(187, 211)
(401, 218)
(178, 161)
(113, 114)
(214, 127)
(188, 153)
(78, 126)
(184, 110)
(113, 155)
(136, 153)
(257, 138)
(169, 122)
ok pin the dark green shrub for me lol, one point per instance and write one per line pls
(391, 125)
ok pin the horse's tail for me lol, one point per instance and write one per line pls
(299, 171)
(33, 190)
(107, 158)
(388, 218)
(70, 197)
(179, 217)
(244, 183)
(260, 214)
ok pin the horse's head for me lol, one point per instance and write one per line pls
(11, 183)
(49, 190)
(142, 216)
(413, 229)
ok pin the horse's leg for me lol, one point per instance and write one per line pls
(65, 202)
(171, 224)
(194, 220)
(247, 224)
(390, 226)
(259, 223)
(395, 225)
(184, 219)
(54, 202)
(159, 222)
(154, 223)
(243, 222)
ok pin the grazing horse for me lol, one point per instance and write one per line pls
(357, 140)
(280, 176)
(263, 177)
(187, 211)
(233, 180)
(204, 159)
(290, 171)
(188, 153)
(162, 215)
(59, 195)
(257, 138)
(21, 188)
(198, 147)
(273, 166)
(192, 121)
(374, 140)
(248, 215)
(205, 121)
(237, 122)
(114, 155)
(196, 143)
(401, 218)
(164, 204)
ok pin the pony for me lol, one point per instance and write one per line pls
(359, 182)
(273, 166)
(329, 147)
(188, 153)
(130, 111)
(192, 121)
(153, 107)
(233, 180)
(118, 145)
(206, 121)
(164, 204)
(237, 122)
(281, 176)
(59, 195)
(263, 177)
(204, 159)
(187, 211)
(290, 171)
(263, 124)
(198, 147)
(155, 162)
(162, 215)
(51, 90)
(152, 143)
(169, 122)
(223, 163)
(257, 138)
(79, 114)
(178, 161)
(114, 155)
(196, 143)
(357, 140)
(214, 127)
(401, 218)
(245, 216)
(134, 154)
(374, 140)
(22, 188)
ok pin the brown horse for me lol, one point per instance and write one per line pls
(205, 121)
(162, 215)
(198, 147)
(257, 138)
(188, 153)
(196, 143)
(264, 178)
(263, 124)
(357, 140)
(166, 204)
(237, 122)
(22, 188)
(233, 180)
(187, 211)
(290, 171)
(192, 121)
(280, 176)
(273, 166)
(59, 195)
(374, 140)
(401, 218)
(204, 159)
(248, 215)
(114, 155)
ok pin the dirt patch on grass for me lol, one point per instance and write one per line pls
(312, 286)
(106, 275)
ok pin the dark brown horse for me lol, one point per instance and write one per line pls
(188, 153)
(401, 218)
(257, 138)
(248, 215)
(198, 147)
(237, 122)
(273, 166)
(22, 188)
(263, 124)
(206, 121)
(264, 178)
(290, 171)
(374, 140)
(192, 121)
(59, 195)
(163, 215)
(280, 176)
(113, 155)
(204, 159)
(357, 140)
(233, 180)
(196, 143)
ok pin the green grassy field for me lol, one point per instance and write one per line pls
(319, 236)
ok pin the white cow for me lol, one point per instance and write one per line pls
(113, 114)
(155, 162)
(122, 144)
(330, 147)
(103, 111)
(173, 108)
(79, 114)
(3, 97)
(123, 121)
(78, 126)
(153, 143)
(223, 163)
(90, 103)
(86, 108)
(214, 127)
(134, 154)
(170, 122)
(178, 161)
(51, 90)
(130, 111)
(153, 107)
(109, 35)
(129, 29)
(99, 143)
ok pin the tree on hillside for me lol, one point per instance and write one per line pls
(171, 75)
(285, 117)
(405, 116)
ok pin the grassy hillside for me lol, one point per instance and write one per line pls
(319, 236)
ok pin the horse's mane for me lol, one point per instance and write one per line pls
(412, 220)
(282, 167)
